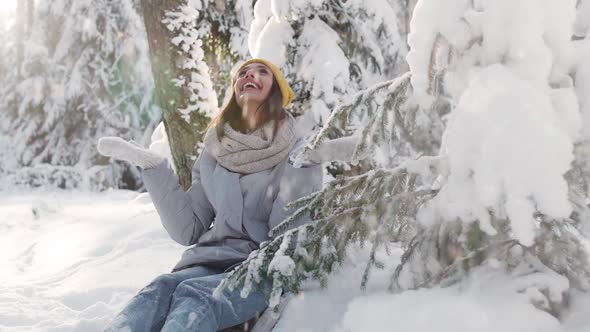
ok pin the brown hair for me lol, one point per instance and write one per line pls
(271, 108)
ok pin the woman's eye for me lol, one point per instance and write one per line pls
(263, 71)
(242, 73)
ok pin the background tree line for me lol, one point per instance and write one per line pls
(76, 70)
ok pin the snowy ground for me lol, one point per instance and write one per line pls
(70, 260)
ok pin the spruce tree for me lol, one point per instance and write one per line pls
(480, 162)
(329, 49)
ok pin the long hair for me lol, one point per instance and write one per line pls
(271, 109)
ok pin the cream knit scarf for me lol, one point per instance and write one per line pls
(253, 152)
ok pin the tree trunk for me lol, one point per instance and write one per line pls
(166, 66)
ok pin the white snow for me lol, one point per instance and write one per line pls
(487, 301)
(510, 136)
(202, 97)
(427, 22)
(70, 260)
(273, 40)
(239, 37)
(446, 310)
(323, 55)
(270, 32)
(582, 83)
(582, 24)
(508, 152)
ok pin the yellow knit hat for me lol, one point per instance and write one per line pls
(286, 92)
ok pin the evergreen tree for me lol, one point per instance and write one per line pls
(83, 76)
(507, 197)
(329, 49)
(223, 28)
(504, 188)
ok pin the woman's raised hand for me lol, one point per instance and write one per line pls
(130, 151)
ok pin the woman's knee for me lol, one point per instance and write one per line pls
(204, 284)
(192, 287)
(166, 281)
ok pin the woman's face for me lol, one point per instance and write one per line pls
(253, 84)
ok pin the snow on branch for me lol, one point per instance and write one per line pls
(378, 206)
(510, 196)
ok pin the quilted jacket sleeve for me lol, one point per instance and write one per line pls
(295, 183)
(184, 215)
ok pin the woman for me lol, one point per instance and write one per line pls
(241, 183)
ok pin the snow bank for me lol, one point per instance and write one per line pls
(488, 301)
(318, 310)
(70, 260)
(446, 310)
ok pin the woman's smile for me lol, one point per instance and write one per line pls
(253, 83)
(250, 85)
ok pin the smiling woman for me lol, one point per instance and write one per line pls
(246, 109)
(241, 183)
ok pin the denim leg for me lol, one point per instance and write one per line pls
(148, 309)
(194, 308)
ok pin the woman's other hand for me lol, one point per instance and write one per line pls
(130, 151)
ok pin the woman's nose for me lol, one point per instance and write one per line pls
(249, 73)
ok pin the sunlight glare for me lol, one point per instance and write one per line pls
(7, 7)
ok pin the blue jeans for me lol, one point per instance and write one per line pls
(183, 301)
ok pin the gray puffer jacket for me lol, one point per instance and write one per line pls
(224, 215)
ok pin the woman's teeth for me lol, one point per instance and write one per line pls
(249, 85)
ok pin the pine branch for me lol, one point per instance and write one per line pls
(377, 243)
(360, 105)
(375, 207)
(303, 205)
(343, 112)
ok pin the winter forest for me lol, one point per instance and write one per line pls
(454, 138)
